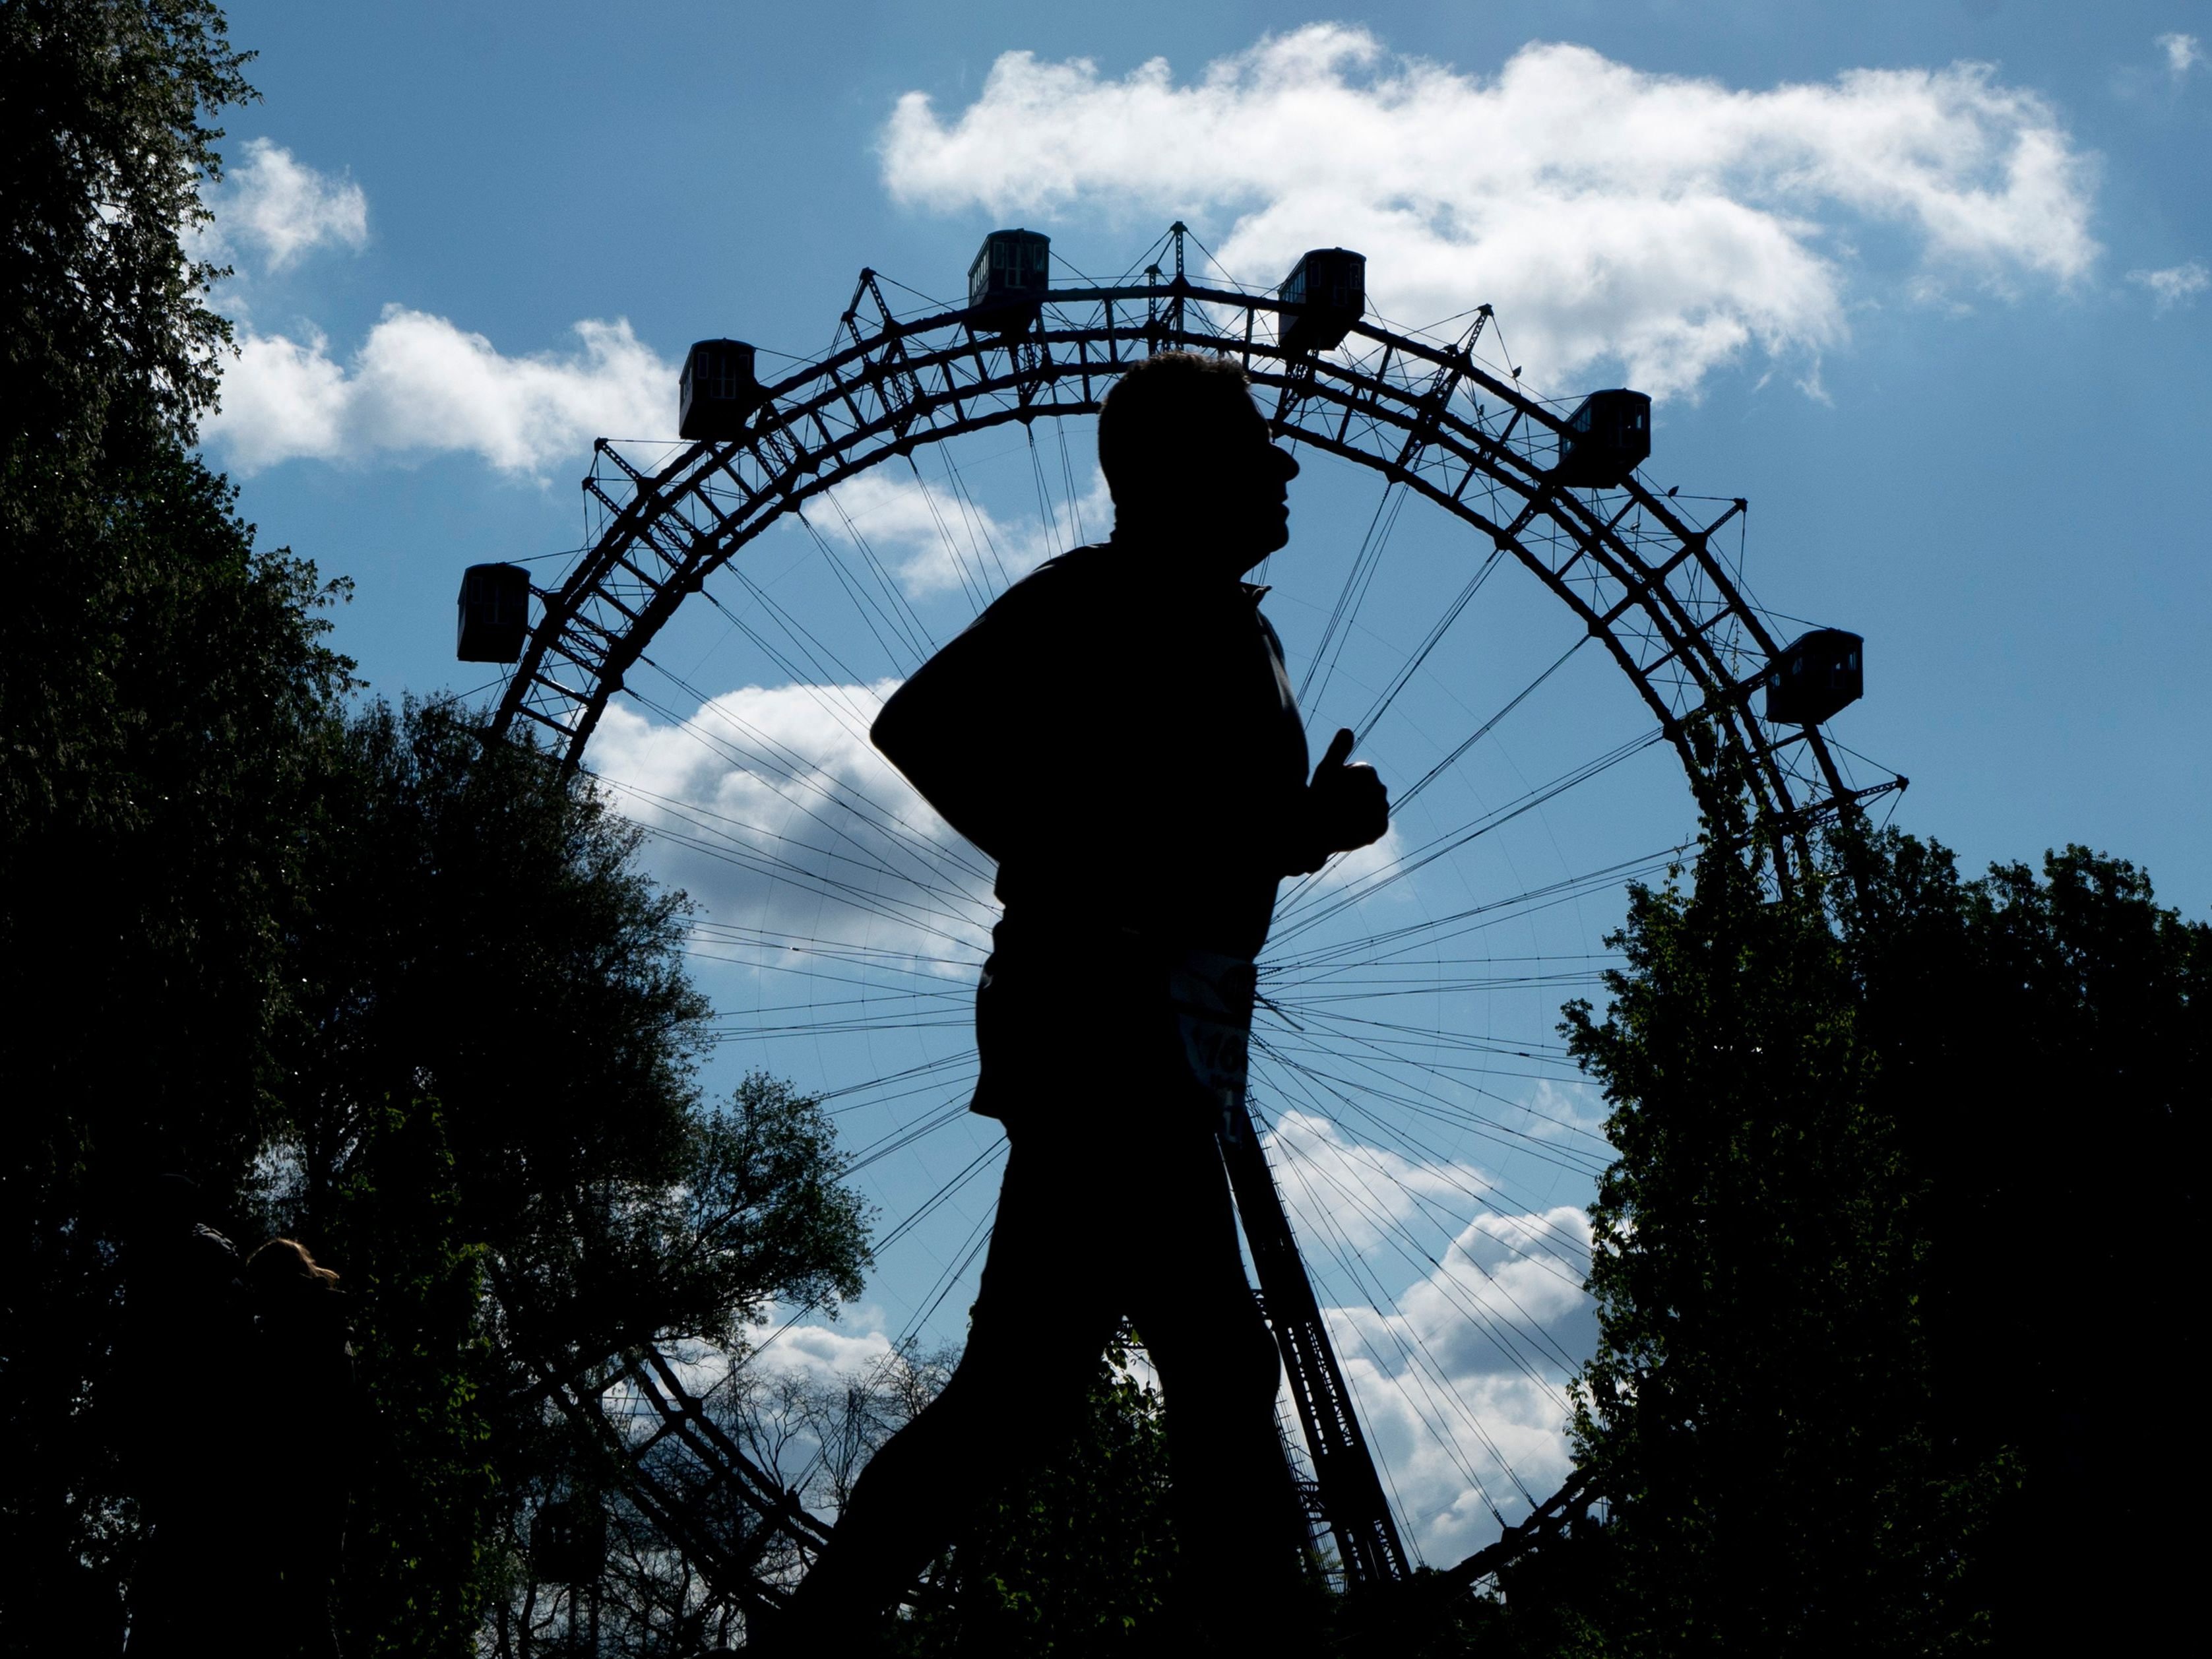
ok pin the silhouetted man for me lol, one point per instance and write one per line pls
(1118, 731)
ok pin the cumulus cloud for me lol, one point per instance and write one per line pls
(818, 1352)
(2183, 53)
(274, 204)
(1662, 223)
(939, 543)
(1461, 1378)
(2174, 285)
(420, 385)
(775, 813)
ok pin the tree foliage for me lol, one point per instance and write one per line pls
(1758, 1409)
(489, 1098)
(2045, 1037)
(478, 926)
(360, 975)
(107, 341)
(1844, 1397)
(1078, 1560)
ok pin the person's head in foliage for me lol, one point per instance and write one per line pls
(284, 1267)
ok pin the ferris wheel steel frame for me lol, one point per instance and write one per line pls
(1641, 575)
(1643, 579)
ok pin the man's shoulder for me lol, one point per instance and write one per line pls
(1073, 583)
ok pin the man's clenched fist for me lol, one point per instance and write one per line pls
(1347, 805)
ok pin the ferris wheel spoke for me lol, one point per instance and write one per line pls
(1383, 1076)
(781, 944)
(1396, 1039)
(772, 956)
(1381, 1085)
(1451, 1221)
(822, 666)
(1402, 941)
(1365, 725)
(702, 822)
(1433, 1273)
(846, 895)
(884, 1080)
(1320, 907)
(896, 1139)
(917, 633)
(1483, 731)
(1357, 581)
(962, 1259)
(1068, 476)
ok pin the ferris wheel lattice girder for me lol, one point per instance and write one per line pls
(1426, 415)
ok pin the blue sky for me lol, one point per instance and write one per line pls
(1927, 283)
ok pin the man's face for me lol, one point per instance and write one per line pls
(1242, 500)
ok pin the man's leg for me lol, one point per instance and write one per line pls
(1040, 1320)
(1242, 1535)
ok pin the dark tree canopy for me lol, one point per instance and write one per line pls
(475, 928)
(490, 1103)
(158, 739)
(1891, 1147)
(103, 147)
(2045, 1037)
(358, 976)
(1078, 1558)
(1757, 1409)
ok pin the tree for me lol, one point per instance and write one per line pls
(161, 683)
(480, 971)
(106, 337)
(425, 1472)
(2044, 1040)
(360, 975)
(1758, 1408)
(1842, 1398)
(1078, 1558)
(157, 738)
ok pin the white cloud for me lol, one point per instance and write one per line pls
(1363, 1189)
(2174, 285)
(1437, 1363)
(939, 543)
(1659, 222)
(276, 205)
(2183, 53)
(791, 821)
(419, 385)
(814, 1350)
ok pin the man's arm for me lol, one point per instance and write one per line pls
(948, 730)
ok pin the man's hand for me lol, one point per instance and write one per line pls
(1346, 806)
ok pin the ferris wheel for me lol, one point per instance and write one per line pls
(1394, 1033)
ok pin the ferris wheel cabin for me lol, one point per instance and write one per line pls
(495, 607)
(1822, 673)
(1322, 297)
(719, 390)
(1009, 277)
(1607, 438)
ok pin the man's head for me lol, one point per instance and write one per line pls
(1187, 454)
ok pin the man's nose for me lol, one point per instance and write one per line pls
(1284, 463)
